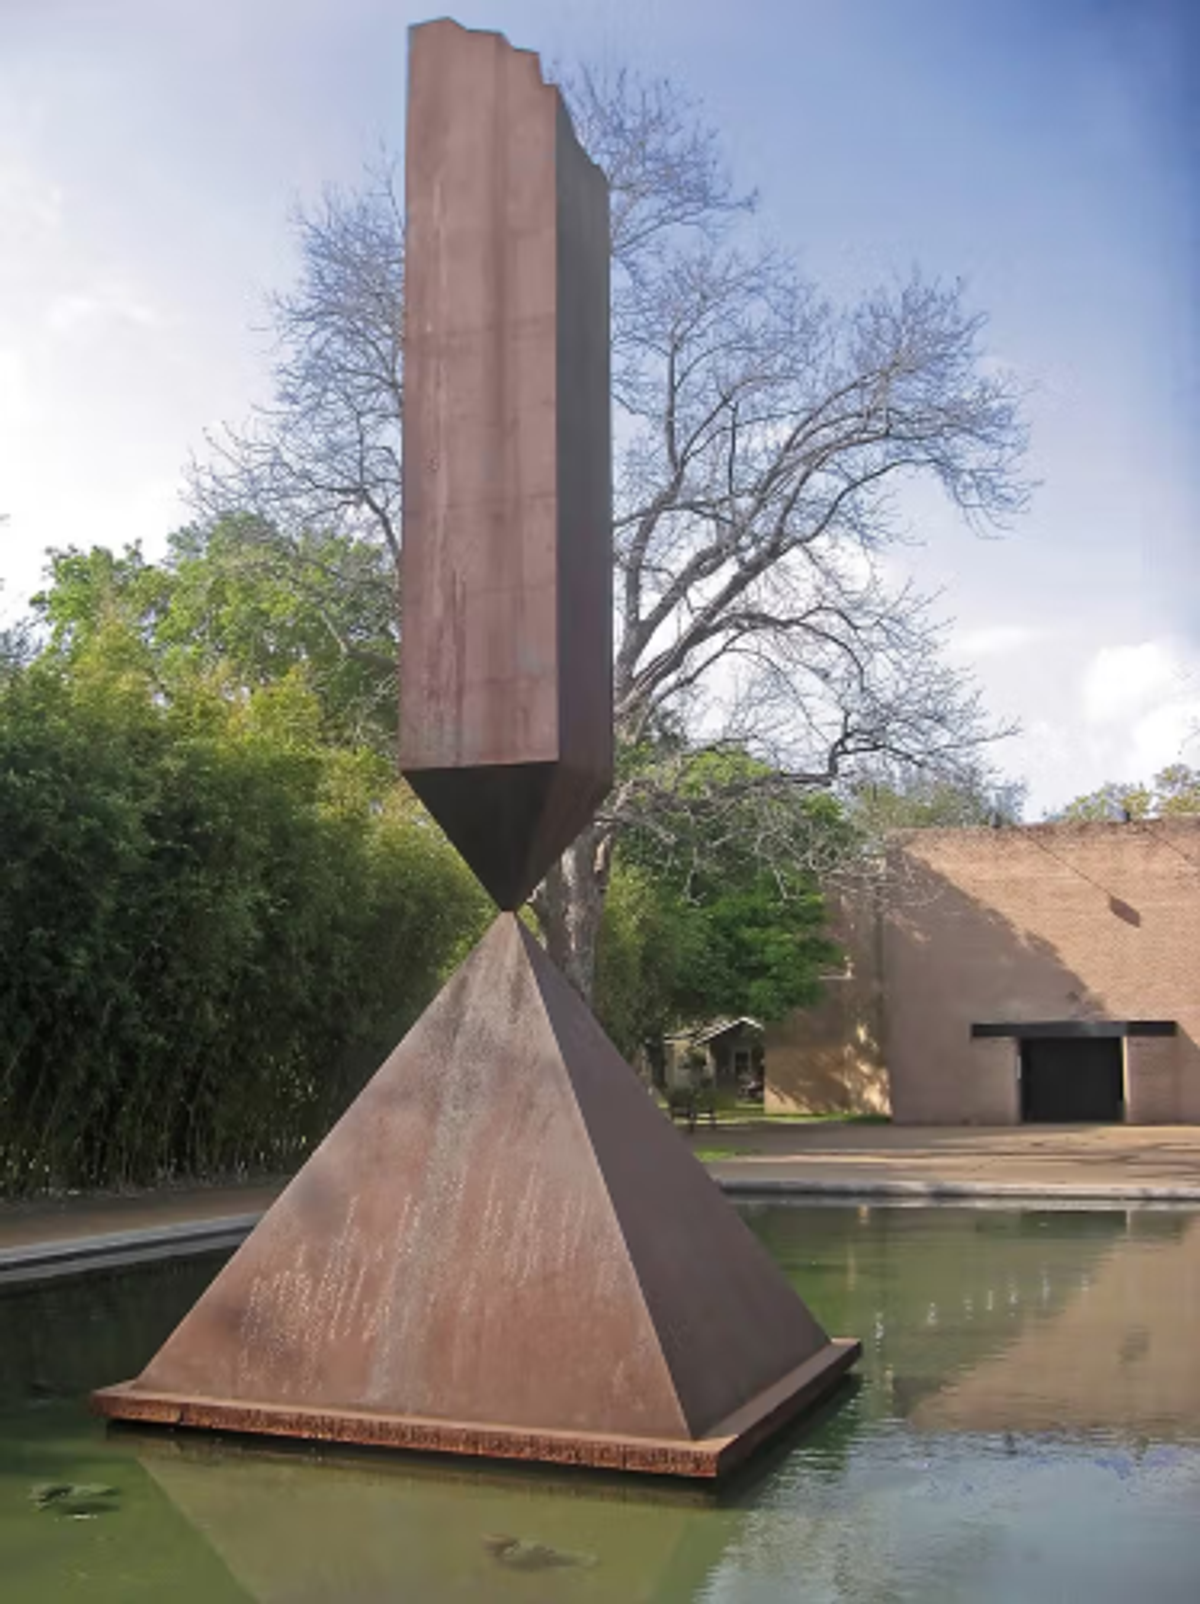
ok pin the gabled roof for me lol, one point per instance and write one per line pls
(719, 1027)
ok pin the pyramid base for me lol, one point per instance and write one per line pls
(730, 1442)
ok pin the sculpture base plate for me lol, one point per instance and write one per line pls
(730, 1442)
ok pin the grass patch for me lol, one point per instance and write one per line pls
(708, 1155)
(825, 1119)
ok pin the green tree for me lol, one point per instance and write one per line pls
(1177, 790)
(641, 959)
(1174, 791)
(213, 921)
(714, 907)
(916, 800)
(237, 595)
(666, 959)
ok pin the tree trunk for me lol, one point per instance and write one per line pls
(569, 905)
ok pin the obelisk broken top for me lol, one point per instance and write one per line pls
(506, 580)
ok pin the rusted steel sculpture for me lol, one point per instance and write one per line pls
(506, 654)
(502, 1248)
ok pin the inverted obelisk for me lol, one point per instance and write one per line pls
(506, 578)
(502, 1248)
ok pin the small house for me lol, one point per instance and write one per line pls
(726, 1054)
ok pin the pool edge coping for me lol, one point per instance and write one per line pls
(78, 1255)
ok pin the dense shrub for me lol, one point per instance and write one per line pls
(212, 921)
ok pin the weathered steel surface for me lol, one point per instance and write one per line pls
(502, 1248)
(506, 718)
(706, 1457)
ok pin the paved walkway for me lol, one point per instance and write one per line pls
(30, 1225)
(1119, 1163)
(1115, 1161)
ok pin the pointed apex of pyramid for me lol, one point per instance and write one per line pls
(501, 1248)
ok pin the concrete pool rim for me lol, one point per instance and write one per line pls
(81, 1255)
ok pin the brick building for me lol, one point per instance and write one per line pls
(1046, 972)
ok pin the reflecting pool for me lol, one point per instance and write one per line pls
(1024, 1426)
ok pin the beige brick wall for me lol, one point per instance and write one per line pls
(990, 1085)
(829, 1059)
(1040, 923)
(1153, 1089)
(1043, 922)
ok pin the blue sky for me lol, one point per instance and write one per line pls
(150, 151)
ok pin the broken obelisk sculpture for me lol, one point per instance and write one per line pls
(502, 1248)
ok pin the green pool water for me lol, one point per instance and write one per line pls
(1024, 1426)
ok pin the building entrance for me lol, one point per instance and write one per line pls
(1065, 1079)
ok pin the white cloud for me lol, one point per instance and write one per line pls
(66, 510)
(150, 510)
(1121, 712)
(1122, 682)
(16, 400)
(994, 640)
(1164, 735)
(30, 205)
(72, 312)
(1141, 706)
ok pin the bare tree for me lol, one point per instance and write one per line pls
(763, 434)
(324, 455)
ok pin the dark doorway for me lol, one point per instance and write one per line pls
(1070, 1078)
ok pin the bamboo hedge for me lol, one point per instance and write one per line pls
(212, 923)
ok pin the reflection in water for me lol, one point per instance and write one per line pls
(290, 1528)
(1027, 1412)
(1119, 1352)
(1034, 1310)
